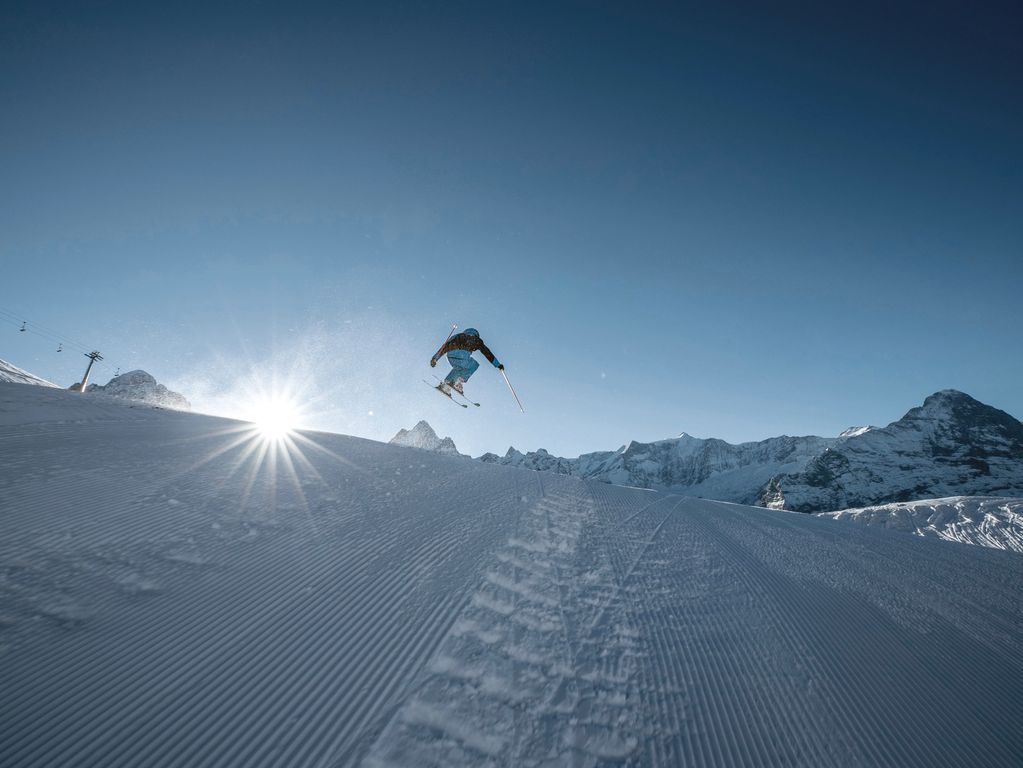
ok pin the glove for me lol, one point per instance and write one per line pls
(433, 362)
(498, 366)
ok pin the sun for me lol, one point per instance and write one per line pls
(275, 418)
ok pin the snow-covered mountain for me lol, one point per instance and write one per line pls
(983, 520)
(176, 592)
(952, 445)
(709, 468)
(15, 375)
(423, 437)
(143, 388)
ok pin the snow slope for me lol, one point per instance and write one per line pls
(175, 593)
(12, 374)
(983, 520)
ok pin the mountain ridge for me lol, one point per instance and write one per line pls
(951, 445)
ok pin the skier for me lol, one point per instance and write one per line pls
(459, 349)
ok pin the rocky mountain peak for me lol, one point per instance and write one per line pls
(950, 445)
(133, 378)
(957, 424)
(424, 429)
(141, 387)
(423, 436)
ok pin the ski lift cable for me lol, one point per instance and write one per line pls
(60, 345)
(26, 326)
(21, 318)
(20, 325)
(33, 329)
(17, 320)
(41, 329)
(58, 340)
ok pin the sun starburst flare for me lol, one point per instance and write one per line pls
(275, 417)
(269, 451)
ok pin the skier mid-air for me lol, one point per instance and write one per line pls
(459, 349)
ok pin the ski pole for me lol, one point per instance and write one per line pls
(453, 327)
(512, 391)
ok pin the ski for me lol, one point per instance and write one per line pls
(446, 394)
(455, 391)
(470, 402)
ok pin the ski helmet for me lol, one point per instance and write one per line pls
(471, 332)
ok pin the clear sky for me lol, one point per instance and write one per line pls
(734, 221)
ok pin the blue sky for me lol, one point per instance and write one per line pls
(730, 221)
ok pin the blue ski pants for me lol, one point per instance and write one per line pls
(462, 365)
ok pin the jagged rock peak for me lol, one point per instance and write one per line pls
(959, 405)
(142, 387)
(137, 377)
(422, 436)
(424, 428)
(949, 395)
(945, 400)
(966, 419)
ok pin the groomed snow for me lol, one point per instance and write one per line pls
(167, 599)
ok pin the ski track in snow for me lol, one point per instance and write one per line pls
(163, 603)
(540, 667)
